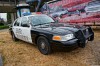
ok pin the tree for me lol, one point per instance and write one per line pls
(8, 18)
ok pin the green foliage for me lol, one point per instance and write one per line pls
(4, 27)
(2, 22)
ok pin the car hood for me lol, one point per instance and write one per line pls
(61, 30)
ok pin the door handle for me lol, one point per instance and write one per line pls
(19, 29)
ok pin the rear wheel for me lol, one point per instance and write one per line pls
(13, 37)
(43, 45)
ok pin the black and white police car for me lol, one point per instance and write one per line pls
(43, 31)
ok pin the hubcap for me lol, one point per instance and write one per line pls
(43, 45)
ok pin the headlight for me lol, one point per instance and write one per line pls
(63, 38)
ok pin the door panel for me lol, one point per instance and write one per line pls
(26, 28)
(26, 34)
(17, 32)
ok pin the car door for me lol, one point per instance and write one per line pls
(26, 30)
(16, 28)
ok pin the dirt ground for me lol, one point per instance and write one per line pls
(24, 54)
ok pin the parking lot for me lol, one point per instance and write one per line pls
(24, 54)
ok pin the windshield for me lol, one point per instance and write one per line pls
(38, 20)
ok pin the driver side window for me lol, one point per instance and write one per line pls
(24, 22)
(17, 22)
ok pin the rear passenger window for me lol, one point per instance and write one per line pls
(17, 22)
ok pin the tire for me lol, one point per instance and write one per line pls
(43, 45)
(13, 37)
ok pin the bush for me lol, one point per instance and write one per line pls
(4, 27)
(1, 24)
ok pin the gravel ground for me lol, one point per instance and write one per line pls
(24, 54)
(3, 30)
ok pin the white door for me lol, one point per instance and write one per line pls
(16, 28)
(26, 30)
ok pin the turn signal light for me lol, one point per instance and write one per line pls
(57, 38)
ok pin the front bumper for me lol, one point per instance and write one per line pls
(73, 42)
(81, 38)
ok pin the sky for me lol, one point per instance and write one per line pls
(4, 16)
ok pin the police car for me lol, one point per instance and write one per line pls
(43, 31)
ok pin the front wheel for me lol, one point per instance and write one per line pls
(43, 45)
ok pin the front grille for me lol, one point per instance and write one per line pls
(79, 35)
(90, 30)
(87, 32)
(84, 31)
(84, 34)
